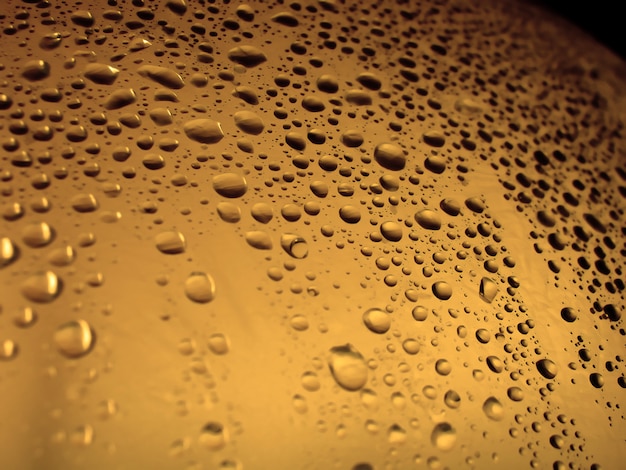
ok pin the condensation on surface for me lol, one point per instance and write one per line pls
(309, 235)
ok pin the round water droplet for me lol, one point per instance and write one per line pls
(84, 203)
(442, 290)
(419, 312)
(294, 245)
(37, 235)
(493, 409)
(36, 70)
(350, 214)
(171, 242)
(452, 399)
(392, 231)
(443, 436)
(42, 288)
(74, 339)
(299, 322)
(219, 344)
(230, 185)
(377, 321)
(200, 287)
(547, 368)
(390, 156)
(348, 367)
(411, 346)
(443, 367)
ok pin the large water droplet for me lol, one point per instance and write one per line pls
(200, 287)
(294, 245)
(205, 131)
(348, 367)
(493, 409)
(230, 185)
(74, 338)
(390, 156)
(443, 436)
(377, 321)
(171, 242)
(43, 287)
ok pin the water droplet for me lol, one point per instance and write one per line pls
(36, 70)
(262, 212)
(171, 242)
(102, 74)
(515, 393)
(200, 287)
(205, 131)
(213, 436)
(488, 289)
(249, 122)
(348, 367)
(248, 56)
(229, 212)
(230, 185)
(42, 287)
(443, 367)
(294, 245)
(390, 156)
(547, 368)
(162, 75)
(74, 339)
(377, 321)
(219, 344)
(310, 381)
(493, 409)
(299, 322)
(259, 240)
(411, 346)
(350, 214)
(37, 235)
(120, 98)
(428, 219)
(452, 399)
(419, 312)
(443, 436)
(442, 290)
(8, 350)
(84, 203)
(8, 251)
(392, 231)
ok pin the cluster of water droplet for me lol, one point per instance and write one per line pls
(395, 229)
